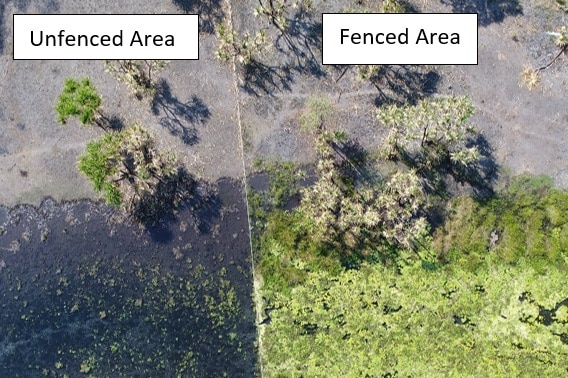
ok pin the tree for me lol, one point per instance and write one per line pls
(137, 74)
(433, 133)
(336, 211)
(277, 11)
(80, 99)
(338, 208)
(126, 167)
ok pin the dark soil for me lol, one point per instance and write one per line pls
(84, 291)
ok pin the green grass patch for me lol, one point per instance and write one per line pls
(492, 301)
(528, 221)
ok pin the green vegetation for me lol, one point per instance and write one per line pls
(487, 306)
(356, 284)
(526, 222)
(125, 317)
(375, 321)
(126, 166)
(562, 4)
(80, 99)
(432, 134)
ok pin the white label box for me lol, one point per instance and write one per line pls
(389, 38)
(108, 36)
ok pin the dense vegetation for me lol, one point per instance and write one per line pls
(492, 303)
(481, 294)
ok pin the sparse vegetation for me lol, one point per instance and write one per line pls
(277, 11)
(530, 77)
(370, 6)
(138, 75)
(245, 49)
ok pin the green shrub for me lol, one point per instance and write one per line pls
(527, 221)
(79, 99)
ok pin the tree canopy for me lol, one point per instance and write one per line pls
(431, 134)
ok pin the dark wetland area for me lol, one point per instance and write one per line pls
(83, 292)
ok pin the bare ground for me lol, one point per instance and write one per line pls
(195, 116)
(526, 131)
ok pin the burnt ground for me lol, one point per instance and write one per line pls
(84, 291)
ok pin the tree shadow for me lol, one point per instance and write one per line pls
(210, 12)
(297, 48)
(175, 194)
(482, 176)
(180, 117)
(405, 84)
(45, 6)
(160, 206)
(488, 11)
(261, 79)
(114, 122)
(206, 205)
(303, 36)
(356, 164)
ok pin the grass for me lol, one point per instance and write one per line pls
(528, 220)
(530, 78)
(462, 313)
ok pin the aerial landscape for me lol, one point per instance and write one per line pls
(257, 213)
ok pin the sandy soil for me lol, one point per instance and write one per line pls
(526, 129)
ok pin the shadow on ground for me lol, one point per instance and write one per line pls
(489, 11)
(112, 122)
(401, 85)
(298, 48)
(180, 118)
(482, 177)
(180, 193)
(210, 12)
